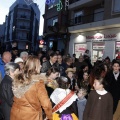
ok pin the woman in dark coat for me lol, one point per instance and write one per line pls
(6, 94)
(100, 103)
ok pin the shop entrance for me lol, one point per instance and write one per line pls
(97, 54)
(98, 50)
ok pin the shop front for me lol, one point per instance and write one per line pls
(100, 43)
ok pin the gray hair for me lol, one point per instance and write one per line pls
(24, 53)
(11, 66)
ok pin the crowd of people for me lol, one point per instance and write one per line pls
(52, 86)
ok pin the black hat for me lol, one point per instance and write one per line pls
(15, 48)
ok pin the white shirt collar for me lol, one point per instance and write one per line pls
(51, 63)
(101, 92)
(116, 75)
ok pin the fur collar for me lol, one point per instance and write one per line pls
(20, 89)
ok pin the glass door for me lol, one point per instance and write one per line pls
(98, 50)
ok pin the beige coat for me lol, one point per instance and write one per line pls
(117, 112)
(28, 103)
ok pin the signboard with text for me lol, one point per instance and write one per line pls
(79, 49)
(101, 37)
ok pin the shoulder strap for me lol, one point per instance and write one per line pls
(61, 103)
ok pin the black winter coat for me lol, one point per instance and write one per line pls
(6, 96)
(47, 65)
(114, 88)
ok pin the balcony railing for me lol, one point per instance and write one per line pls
(73, 1)
(21, 38)
(24, 7)
(23, 27)
(26, 17)
(86, 19)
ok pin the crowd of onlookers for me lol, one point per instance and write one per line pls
(58, 87)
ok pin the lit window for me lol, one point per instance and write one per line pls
(78, 17)
(98, 14)
(54, 21)
(116, 6)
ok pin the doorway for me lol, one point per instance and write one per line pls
(97, 54)
(98, 51)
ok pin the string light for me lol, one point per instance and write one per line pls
(66, 4)
(53, 1)
(48, 2)
(59, 6)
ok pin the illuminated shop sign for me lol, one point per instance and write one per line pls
(57, 3)
(48, 2)
(104, 36)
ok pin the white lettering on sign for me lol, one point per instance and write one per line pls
(101, 36)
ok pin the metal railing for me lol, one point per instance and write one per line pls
(24, 7)
(86, 19)
(73, 1)
(23, 16)
(23, 27)
(21, 38)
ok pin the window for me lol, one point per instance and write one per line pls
(98, 14)
(78, 17)
(79, 49)
(116, 6)
(98, 51)
(117, 48)
(52, 21)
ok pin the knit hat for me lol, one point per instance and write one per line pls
(17, 60)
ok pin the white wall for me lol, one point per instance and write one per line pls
(75, 38)
(109, 50)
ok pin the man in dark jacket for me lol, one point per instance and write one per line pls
(113, 80)
(50, 63)
(6, 57)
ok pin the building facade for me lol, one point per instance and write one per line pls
(94, 25)
(22, 25)
(2, 31)
(55, 27)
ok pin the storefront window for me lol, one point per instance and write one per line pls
(79, 49)
(98, 50)
(117, 48)
(116, 6)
